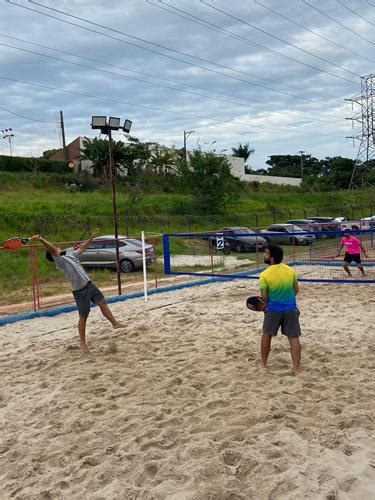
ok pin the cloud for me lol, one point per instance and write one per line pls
(265, 96)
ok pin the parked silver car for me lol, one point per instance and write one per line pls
(102, 253)
(287, 234)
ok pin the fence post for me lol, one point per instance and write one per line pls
(304, 213)
(256, 220)
(274, 215)
(34, 278)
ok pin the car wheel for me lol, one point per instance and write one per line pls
(293, 241)
(238, 247)
(126, 266)
(355, 228)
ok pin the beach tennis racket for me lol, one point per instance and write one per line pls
(14, 243)
(255, 303)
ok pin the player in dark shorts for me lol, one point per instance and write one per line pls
(278, 286)
(353, 252)
(83, 289)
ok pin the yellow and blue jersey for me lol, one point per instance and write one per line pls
(278, 280)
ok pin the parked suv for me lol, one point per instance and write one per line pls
(241, 239)
(308, 225)
(102, 253)
(288, 234)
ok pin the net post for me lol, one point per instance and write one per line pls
(144, 266)
(211, 256)
(166, 254)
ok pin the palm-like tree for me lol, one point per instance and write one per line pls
(162, 161)
(243, 151)
(97, 151)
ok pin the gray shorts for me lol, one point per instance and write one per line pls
(288, 320)
(83, 297)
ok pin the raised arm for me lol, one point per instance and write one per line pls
(51, 248)
(84, 246)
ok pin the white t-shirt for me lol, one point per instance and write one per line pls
(72, 268)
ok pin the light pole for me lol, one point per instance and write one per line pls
(8, 134)
(187, 133)
(100, 122)
(302, 153)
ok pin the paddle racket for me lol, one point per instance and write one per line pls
(14, 243)
(255, 303)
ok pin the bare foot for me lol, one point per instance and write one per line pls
(85, 348)
(297, 371)
(118, 325)
(263, 366)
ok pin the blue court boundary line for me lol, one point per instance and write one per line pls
(54, 311)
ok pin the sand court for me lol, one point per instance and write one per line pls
(177, 408)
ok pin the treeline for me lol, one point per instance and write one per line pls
(328, 174)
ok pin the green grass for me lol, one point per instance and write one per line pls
(39, 203)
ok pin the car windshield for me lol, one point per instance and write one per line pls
(295, 229)
(243, 230)
(137, 243)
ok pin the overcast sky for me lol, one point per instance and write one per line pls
(234, 72)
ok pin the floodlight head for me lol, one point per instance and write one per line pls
(98, 122)
(114, 123)
(127, 126)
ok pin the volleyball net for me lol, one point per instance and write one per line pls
(241, 255)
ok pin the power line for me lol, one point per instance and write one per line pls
(337, 22)
(313, 32)
(355, 13)
(280, 39)
(126, 69)
(25, 117)
(209, 25)
(159, 53)
(113, 73)
(120, 75)
(156, 52)
(108, 99)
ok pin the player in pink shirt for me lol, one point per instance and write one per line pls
(353, 248)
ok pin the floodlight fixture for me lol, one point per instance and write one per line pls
(114, 123)
(127, 126)
(98, 122)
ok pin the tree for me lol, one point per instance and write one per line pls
(97, 151)
(48, 153)
(243, 151)
(211, 182)
(162, 161)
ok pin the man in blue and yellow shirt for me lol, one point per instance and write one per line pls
(279, 287)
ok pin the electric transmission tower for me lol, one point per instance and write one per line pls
(365, 161)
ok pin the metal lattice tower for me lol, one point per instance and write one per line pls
(365, 116)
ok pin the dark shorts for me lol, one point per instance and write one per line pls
(352, 257)
(288, 320)
(86, 295)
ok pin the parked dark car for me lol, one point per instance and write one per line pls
(241, 239)
(288, 234)
(327, 223)
(308, 225)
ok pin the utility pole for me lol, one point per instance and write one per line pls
(302, 153)
(187, 133)
(8, 134)
(366, 152)
(65, 151)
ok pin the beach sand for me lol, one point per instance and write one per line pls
(176, 407)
